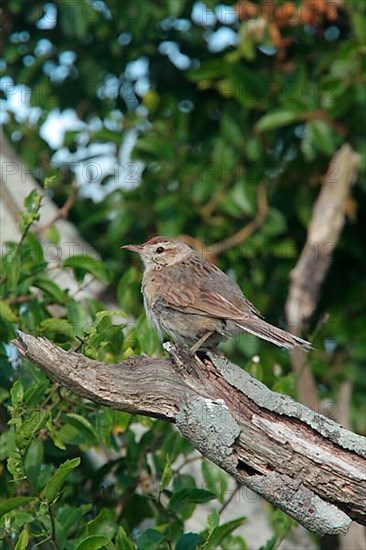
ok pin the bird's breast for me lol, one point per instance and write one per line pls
(152, 285)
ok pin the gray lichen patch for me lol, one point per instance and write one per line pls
(285, 405)
(212, 429)
(300, 503)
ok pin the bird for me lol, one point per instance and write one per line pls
(195, 303)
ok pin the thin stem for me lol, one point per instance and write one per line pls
(227, 502)
(188, 461)
(53, 526)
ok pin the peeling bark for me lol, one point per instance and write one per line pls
(298, 460)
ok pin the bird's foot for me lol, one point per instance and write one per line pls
(183, 358)
(201, 341)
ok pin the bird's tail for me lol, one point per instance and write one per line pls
(277, 336)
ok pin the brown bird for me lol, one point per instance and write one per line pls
(195, 302)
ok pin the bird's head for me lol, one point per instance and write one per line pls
(160, 251)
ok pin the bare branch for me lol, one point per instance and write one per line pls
(63, 212)
(300, 461)
(237, 238)
(325, 227)
(324, 230)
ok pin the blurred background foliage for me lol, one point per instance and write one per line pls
(185, 119)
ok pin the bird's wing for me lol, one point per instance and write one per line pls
(204, 302)
(212, 304)
(207, 291)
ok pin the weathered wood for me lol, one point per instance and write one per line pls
(302, 462)
(327, 220)
(324, 230)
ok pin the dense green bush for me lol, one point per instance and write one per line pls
(55, 489)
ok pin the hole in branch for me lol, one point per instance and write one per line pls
(245, 470)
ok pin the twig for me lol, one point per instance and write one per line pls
(53, 527)
(210, 206)
(321, 115)
(20, 299)
(249, 229)
(83, 286)
(187, 461)
(221, 246)
(63, 212)
(231, 497)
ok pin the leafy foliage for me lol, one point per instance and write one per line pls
(59, 490)
(214, 133)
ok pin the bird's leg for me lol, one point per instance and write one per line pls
(201, 341)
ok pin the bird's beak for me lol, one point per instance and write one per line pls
(133, 247)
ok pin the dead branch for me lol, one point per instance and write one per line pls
(300, 461)
(324, 230)
(327, 220)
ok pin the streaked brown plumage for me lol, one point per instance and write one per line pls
(195, 302)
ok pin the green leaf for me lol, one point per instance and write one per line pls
(31, 427)
(215, 479)
(53, 290)
(19, 519)
(14, 466)
(271, 544)
(275, 223)
(240, 197)
(277, 119)
(94, 542)
(55, 437)
(104, 524)
(188, 496)
(35, 393)
(104, 318)
(22, 542)
(104, 134)
(221, 532)
(6, 313)
(123, 541)
(57, 480)
(285, 249)
(85, 264)
(149, 539)
(322, 136)
(52, 235)
(12, 503)
(69, 516)
(17, 392)
(83, 425)
(210, 69)
(32, 201)
(33, 461)
(51, 328)
(246, 44)
(167, 474)
(213, 520)
(189, 541)
(77, 315)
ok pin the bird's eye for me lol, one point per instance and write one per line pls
(159, 250)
